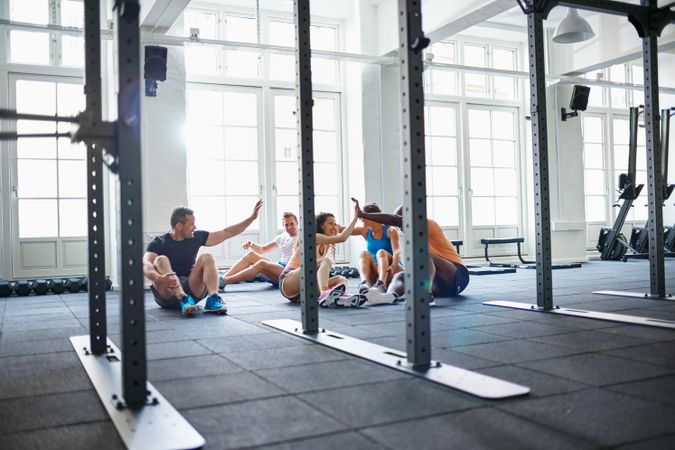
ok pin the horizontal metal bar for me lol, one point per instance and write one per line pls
(646, 295)
(611, 317)
(12, 136)
(10, 114)
(156, 425)
(606, 6)
(464, 380)
(47, 28)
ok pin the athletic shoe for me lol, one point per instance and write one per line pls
(364, 287)
(329, 296)
(375, 297)
(351, 300)
(187, 305)
(215, 305)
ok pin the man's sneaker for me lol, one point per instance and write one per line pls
(187, 305)
(215, 305)
(351, 300)
(364, 287)
(329, 296)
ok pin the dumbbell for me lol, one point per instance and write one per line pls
(353, 272)
(6, 288)
(84, 284)
(73, 285)
(40, 286)
(22, 288)
(58, 286)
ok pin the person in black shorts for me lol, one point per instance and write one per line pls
(178, 276)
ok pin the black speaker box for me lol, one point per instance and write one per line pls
(155, 63)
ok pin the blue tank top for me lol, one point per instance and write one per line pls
(373, 245)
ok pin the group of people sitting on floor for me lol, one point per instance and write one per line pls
(180, 278)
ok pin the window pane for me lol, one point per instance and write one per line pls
(239, 208)
(446, 211)
(506, 211)
(442, 82)
(324, 71)
(443, 181)
(502, 125)
(282, 33)
(326, 179)
(31, 11)
(240, 29)
(641, 158)
(442, 151)
(209, 212)
(290, 204)
(322, 37)
(240, 109)
(325, 146)
(505, 87)
(324, 114)
(72, 51)
(482, 182)
(594, 182)
(29, 48)
(618, 96)
(480, 152)
(205, 107)
(70, 99)
(286, 143)
(503, 59)
(506, 182)
(444, 52)
(282, 67)
(206, 178)
(36, 148)
(621, 157)
(284, 111)
(205, 142)
(595, 208)
(478, 119)
(34, 126)
(287, 178)
(620, 131)
(504, 153)
(476, 85)
(36, 178)
(69, 150)
(201, 59)
(483, 211)
(241, 178)
(36, 97)
(73, 217)
(241, 143)
(474, 55)
(593, 156)
(241, 64)
(72, 179)
(441, 121)
(327, 204)
(38, 218)
(593, 129)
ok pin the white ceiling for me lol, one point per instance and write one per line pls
(339, 9)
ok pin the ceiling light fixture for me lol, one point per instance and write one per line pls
(573, 28)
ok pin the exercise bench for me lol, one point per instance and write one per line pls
(524, 264)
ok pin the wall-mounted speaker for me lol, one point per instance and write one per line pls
(155, 63)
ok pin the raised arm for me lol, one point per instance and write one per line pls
(343, 236)
(248, 245)
(387, 219)
(217, 237)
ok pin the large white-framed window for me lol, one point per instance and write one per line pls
(48, 177)
(595, 175)
(224, 155)
(442, 165)
(44, 48)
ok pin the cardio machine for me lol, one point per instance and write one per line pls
(639, 239)
(612, 244)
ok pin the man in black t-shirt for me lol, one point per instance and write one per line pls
(178, 276)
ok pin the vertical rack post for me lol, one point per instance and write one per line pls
(134, 362)
(304, 104)
(417, 282)
(97, 308)
(535, 31)
(654, 182)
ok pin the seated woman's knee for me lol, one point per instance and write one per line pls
(366, 255)
(326, 263)
(381, 253)
(341, 279)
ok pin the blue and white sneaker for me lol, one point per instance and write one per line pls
(187, 305)
(215, 305)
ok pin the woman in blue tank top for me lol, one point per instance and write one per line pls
(381, 259)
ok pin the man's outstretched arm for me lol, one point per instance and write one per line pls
(217, 237)
(387, 219)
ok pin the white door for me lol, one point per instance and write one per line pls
(48, 182)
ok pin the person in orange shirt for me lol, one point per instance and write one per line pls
(448, 274)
